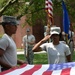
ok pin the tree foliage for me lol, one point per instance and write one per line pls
(33, 9)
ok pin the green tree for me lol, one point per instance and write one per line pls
(33, 9)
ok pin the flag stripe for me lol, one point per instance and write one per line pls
(20, 70)
(31, 71)
(47, 73)
(50, 3)
(49, 10)
(72, 72)
(56, 72)
(41, 70)
(46, 4)
(66, 71)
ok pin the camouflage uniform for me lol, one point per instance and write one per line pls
(30, 55)
(71, 42)
(71, 45)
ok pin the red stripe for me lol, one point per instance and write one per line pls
(47, 73)
(50, 3)
(31, 71)
(50, 15)
(50, 9)
(12, 69)
(46, 8)
(66, 71)
(46, 3)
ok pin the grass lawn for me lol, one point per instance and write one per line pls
(40, 58)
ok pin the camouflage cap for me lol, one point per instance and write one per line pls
(10, 19)
(55, 30)
(27, 30)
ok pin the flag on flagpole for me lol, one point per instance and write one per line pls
(43, 69)
(66, 20)
(49, 10)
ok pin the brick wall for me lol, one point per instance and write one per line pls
(37, 30)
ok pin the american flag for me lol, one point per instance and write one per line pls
(49, 9)
(43, 69)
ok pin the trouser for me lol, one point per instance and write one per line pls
(71, 45)
(30, 55)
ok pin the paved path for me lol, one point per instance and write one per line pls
(21, 52)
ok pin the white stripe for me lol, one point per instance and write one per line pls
(56, 72)
(72, 72)
(41, 70)
(49, 6)
(50, 1)
(21, 70)
(50, 12)
(46, 6)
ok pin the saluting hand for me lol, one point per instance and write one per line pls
(46, 38)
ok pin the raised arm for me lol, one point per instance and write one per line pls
(37, 46)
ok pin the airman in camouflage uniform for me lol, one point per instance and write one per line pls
(28, 42)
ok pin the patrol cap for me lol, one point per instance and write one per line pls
(55, 30)
(9, 20)
(27, 30)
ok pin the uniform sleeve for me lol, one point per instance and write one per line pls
(73, 34)
(33, 38)
(43, 47)
(67, 49)
(4, 43)
(25, 39)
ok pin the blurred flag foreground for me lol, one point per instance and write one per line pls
(43, 69)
